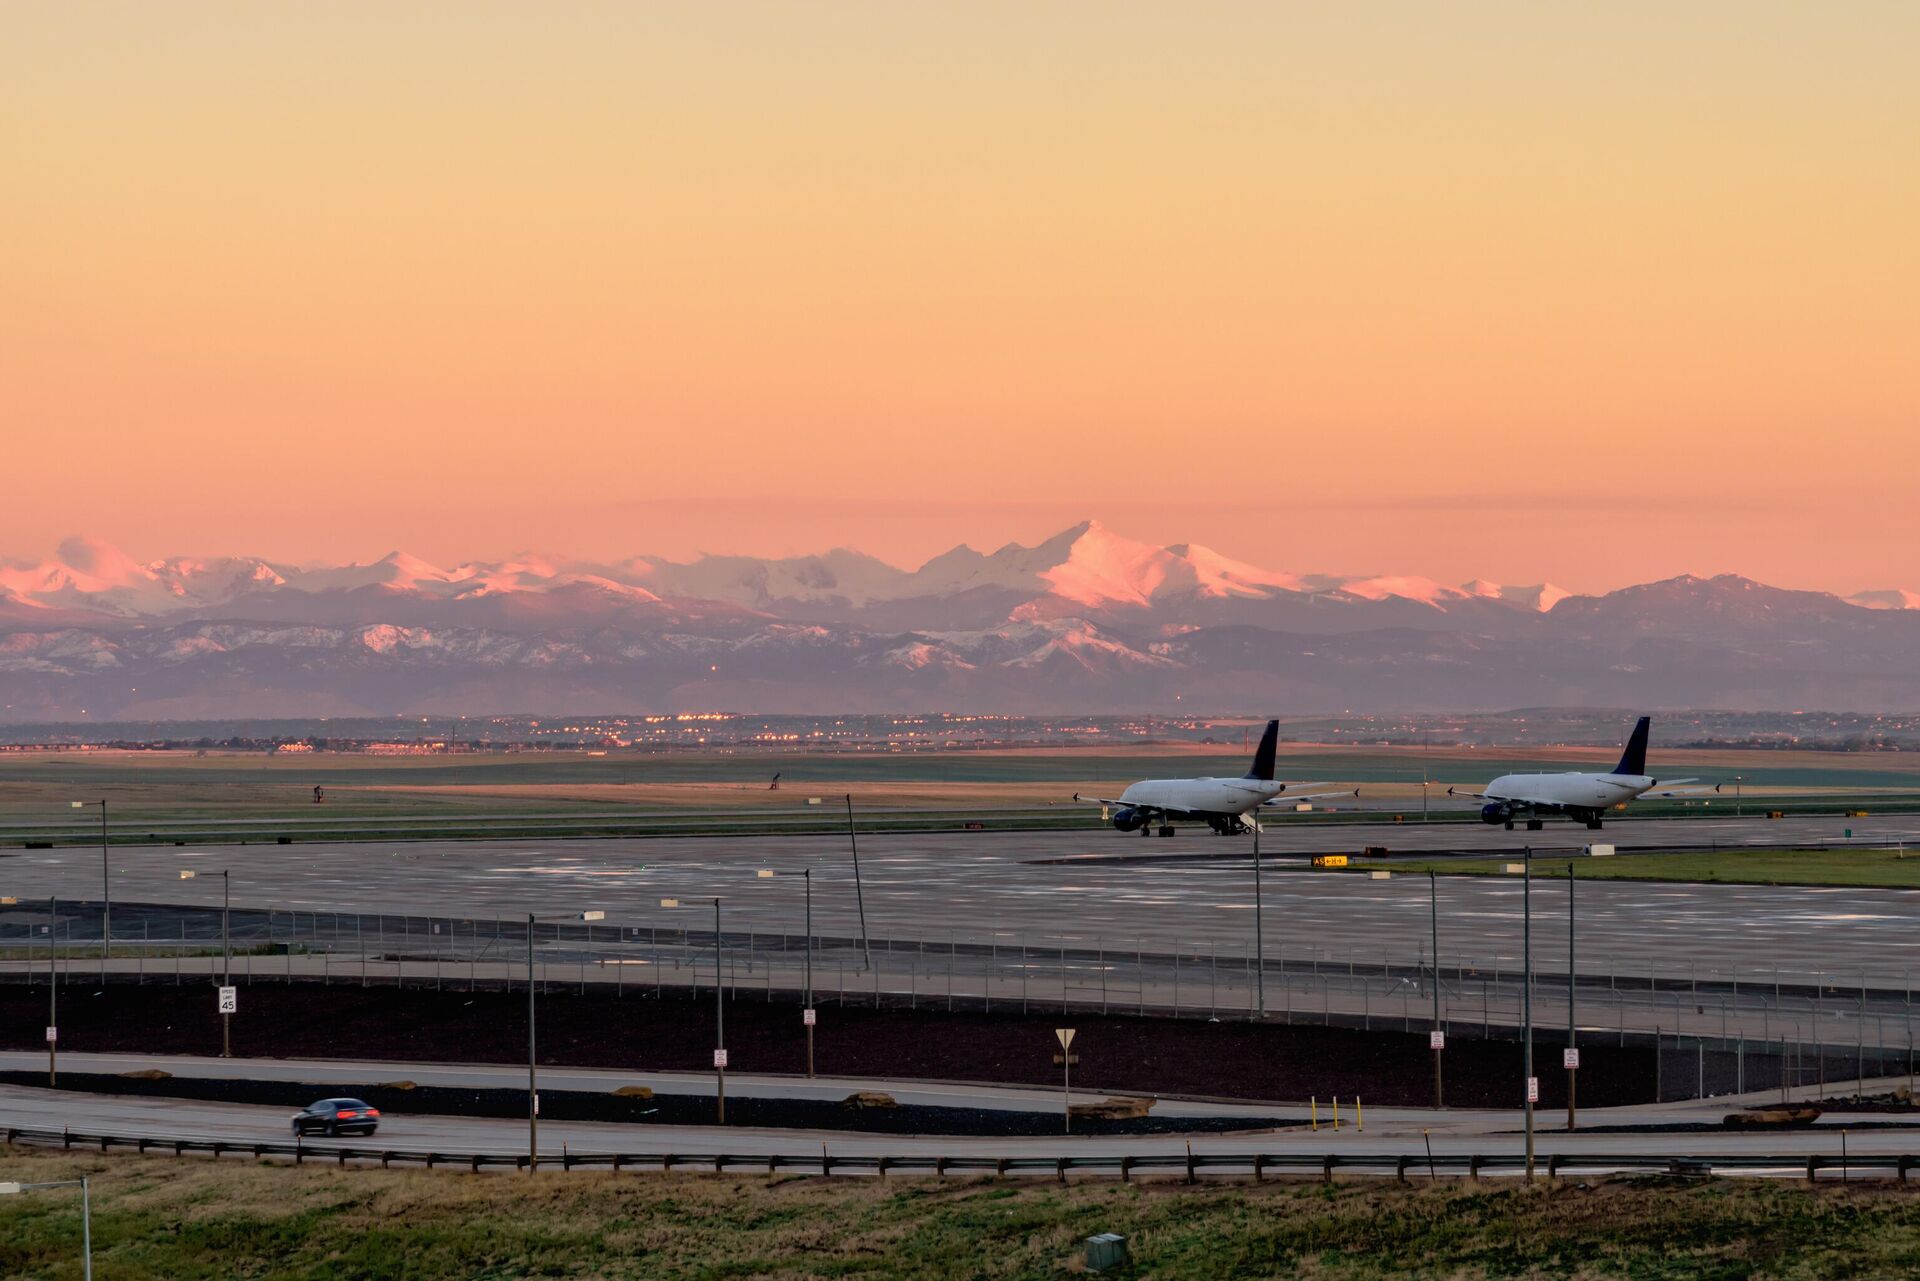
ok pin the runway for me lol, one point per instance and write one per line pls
(1098, 888)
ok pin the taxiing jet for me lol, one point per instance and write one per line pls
(1223, 804)
(1582, 797)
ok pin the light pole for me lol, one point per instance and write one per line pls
(1573, 1042)
(86, 1213)
(226, 957)
(1526, 994)
(106, 888)
(53, 989)
(1433, 911)
(859, 894)
(1259, 934)
(1739, 807)
(533, 1084)
(719, 1023)
(808, 1016)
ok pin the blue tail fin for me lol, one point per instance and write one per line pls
(1634, 759)
(1263, 756)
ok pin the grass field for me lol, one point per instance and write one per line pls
(188, 1219)
(1859, 867)
(183, 786)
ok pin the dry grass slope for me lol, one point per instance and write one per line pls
(190, 1219)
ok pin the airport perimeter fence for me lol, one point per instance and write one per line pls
(1715, 1031)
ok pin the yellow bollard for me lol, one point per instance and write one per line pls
(1313, 1111)
(1336, 1114)
(1360, 1116)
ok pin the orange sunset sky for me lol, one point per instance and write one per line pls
(1592, 293)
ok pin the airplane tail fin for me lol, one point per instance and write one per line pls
(1263, 756)
(1634, 759)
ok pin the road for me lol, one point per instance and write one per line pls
(1388, 1131)
(332, 1073)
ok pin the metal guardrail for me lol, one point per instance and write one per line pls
(1191, 1164)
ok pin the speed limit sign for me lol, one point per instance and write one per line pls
(229, 1000)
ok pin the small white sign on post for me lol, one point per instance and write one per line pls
(1533, 1089)
(807, 1017)
(1436, 1040)
(53, 1034)
(1570, 1058)
(229, 1000)
(720, 1060)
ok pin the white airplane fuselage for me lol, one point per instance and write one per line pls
(1568, 791)
(1227, 797)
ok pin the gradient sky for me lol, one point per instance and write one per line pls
(1586, 292)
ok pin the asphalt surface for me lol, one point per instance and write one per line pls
(327, 1074)
(1119, 891)
(1387, 1131)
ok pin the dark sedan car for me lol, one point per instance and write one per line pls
(337, 1116)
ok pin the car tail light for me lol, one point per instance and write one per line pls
(348, 1112)
(372, 1112)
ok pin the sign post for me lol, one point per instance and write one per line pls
(1067, 1056)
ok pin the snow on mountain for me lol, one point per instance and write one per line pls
(1539, 597)
(1405, 587)
(1086, 620)
(396, 572)
(1215, 575)
(1088, 565)
(1895, 598)
(86, 573)
(841, 575)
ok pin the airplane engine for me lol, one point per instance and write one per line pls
(1493, 813)
(1129, 819)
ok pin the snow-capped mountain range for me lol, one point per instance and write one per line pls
(1087, 620)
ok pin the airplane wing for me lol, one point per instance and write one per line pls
(1102, 800)
(1667, 793)
(1461, 791)
(1292, 797)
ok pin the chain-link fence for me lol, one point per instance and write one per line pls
(1718, 1031)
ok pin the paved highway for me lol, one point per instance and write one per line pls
(327, 1074)
(1388, 1131)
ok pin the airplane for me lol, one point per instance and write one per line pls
(1222, 803)
(1582, 797)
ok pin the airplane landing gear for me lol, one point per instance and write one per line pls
(1535, 825)
(1167, 830)
(1509, 825)
(1593, 825)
